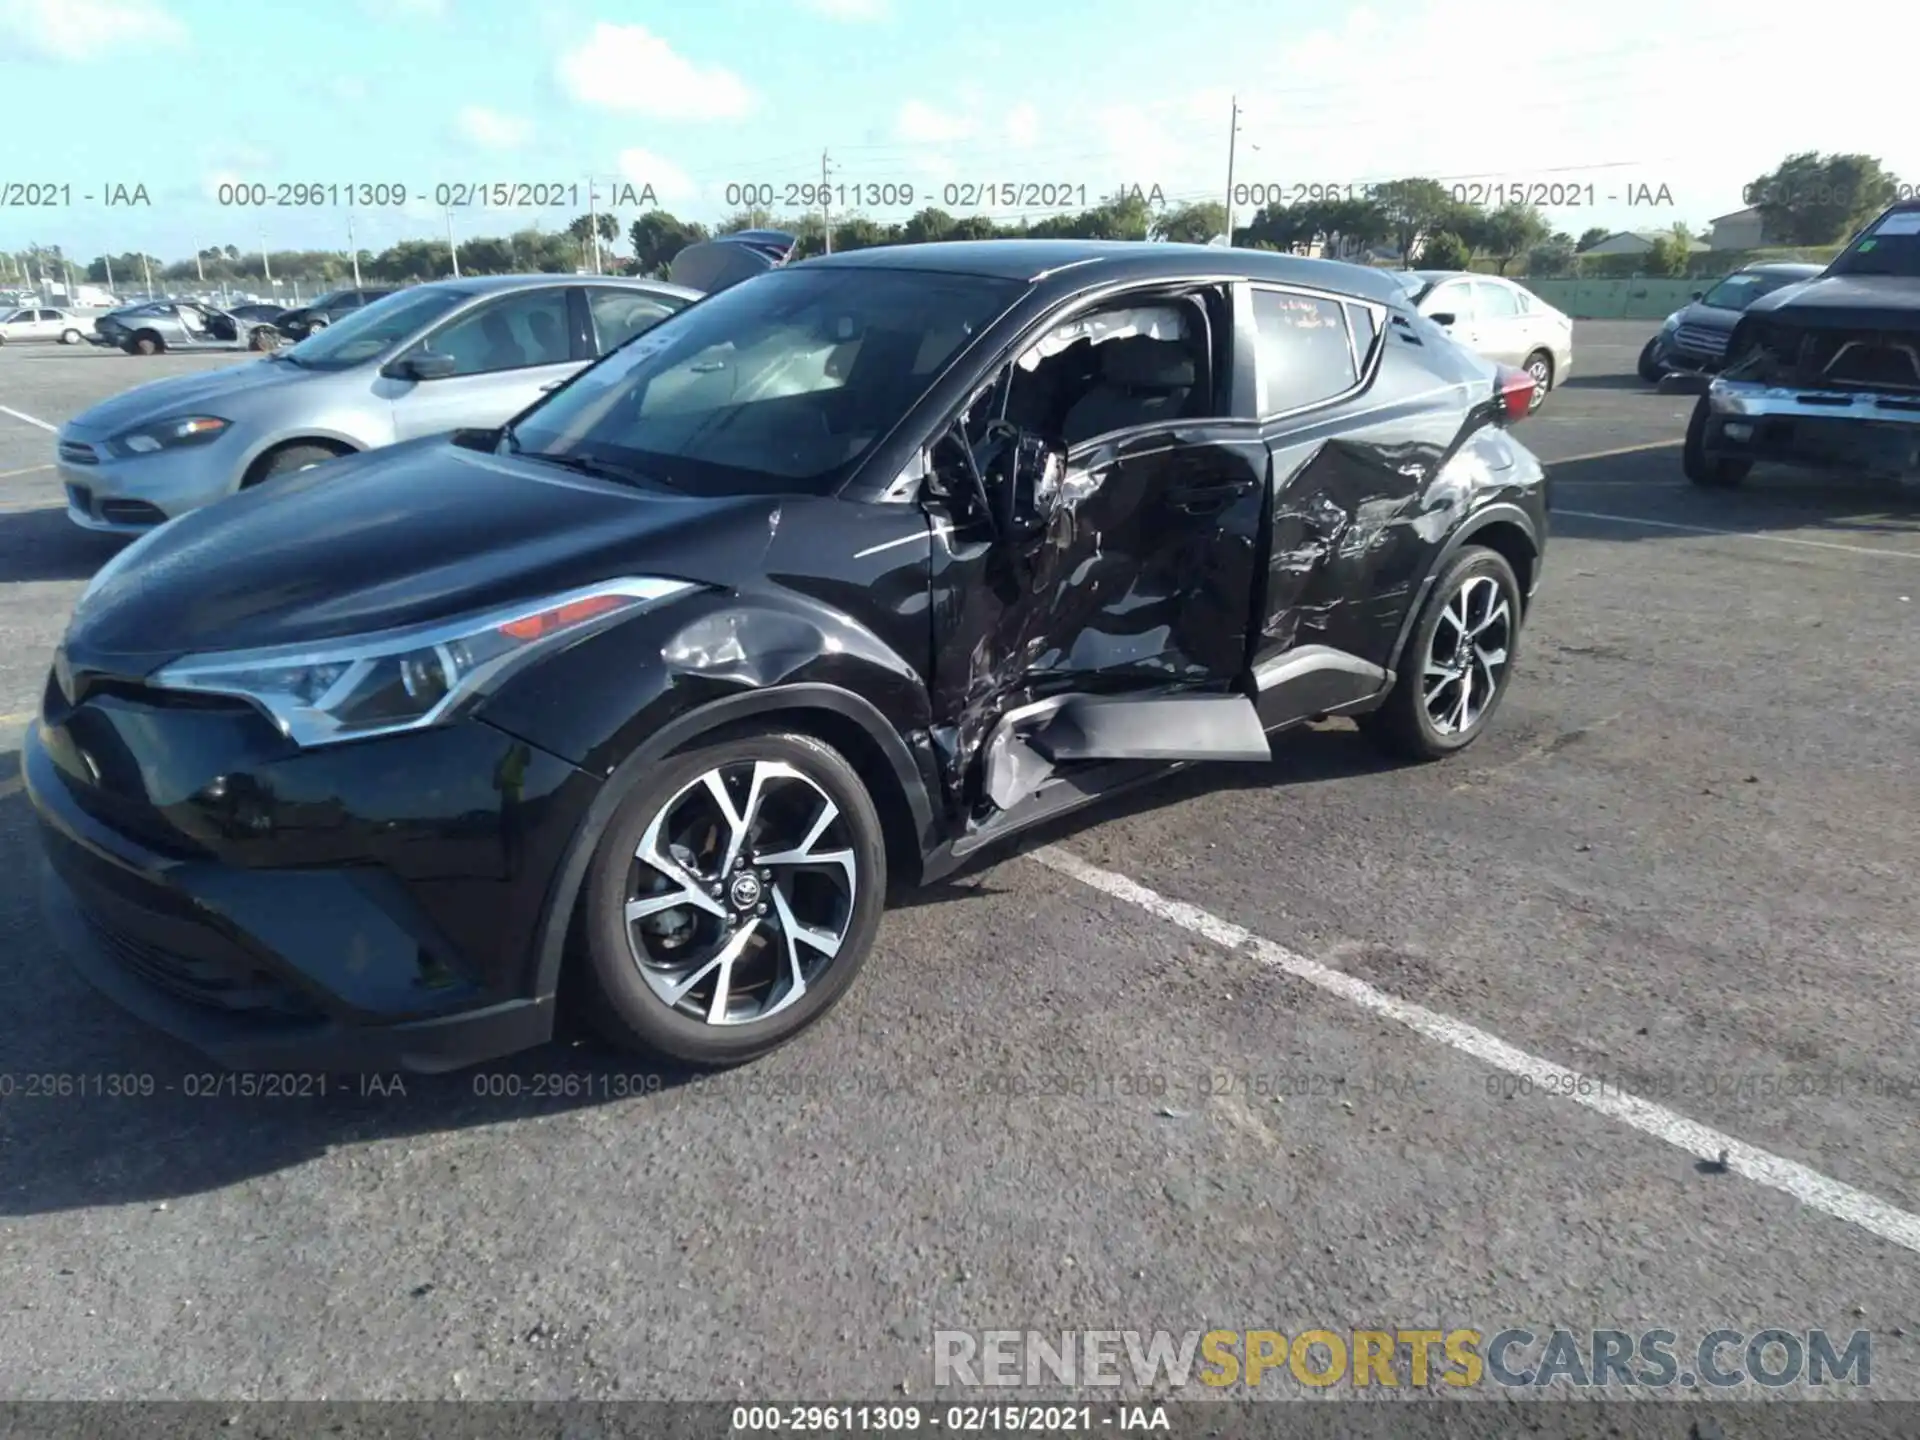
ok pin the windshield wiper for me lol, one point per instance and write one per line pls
(590, 465)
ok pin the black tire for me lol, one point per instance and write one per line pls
(624, 1007)
(1402, 726)
(1539, 365)
(1702, 470)
(147, 343)
(1651, 370)
(263, 337)
(287, 460)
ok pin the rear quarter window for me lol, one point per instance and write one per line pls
(1305, 348)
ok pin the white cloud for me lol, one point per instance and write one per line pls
(628, 67)
(921, 124)
(642, 168)
(493, 129)
(847, 9)
(86, 29)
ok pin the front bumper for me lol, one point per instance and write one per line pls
(294, 925)
(122, 496)
(1869, 432)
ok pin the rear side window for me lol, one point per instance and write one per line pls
(1306, 352)
(1494, 302)
(619, 315)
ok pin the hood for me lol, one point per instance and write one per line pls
(1850, 302)
(413, 533)
(205, 391)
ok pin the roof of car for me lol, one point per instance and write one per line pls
(486, 284)
(1038, 260)
(1780, 267)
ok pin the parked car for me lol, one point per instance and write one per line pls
(1824, 374)
(1693, 340)
(40, 323)
(329, 309)
(422, 362)
(836, 577)
(1497, 319)
(256, 314)
(162, 325)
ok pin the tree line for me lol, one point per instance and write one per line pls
(1809, 199)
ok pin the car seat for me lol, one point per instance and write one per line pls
(1141, 380)
(503, 351)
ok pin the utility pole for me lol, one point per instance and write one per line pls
(147, 269)
(107, 260)
(198, 268)
(453, 250)
(1233, 137)
(266, 265)
(353, 249)
(826, 215)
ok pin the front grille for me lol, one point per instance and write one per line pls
(131, 512)
(1700, 339)
(76, 453)
(210, 983)
(80, 498)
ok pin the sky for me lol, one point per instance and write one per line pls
(1641, 112)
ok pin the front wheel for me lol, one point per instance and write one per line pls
(1651, 370)
(263, 337)
(732, 899)
(1702, 469)
(1457, 661)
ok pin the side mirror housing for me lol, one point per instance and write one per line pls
(1444, 319)
(1027, 486)
(1698, 294)
(424, 366)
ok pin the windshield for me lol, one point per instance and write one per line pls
(777, 385)
(365, 334)
(1737, 292)
(1890, 247)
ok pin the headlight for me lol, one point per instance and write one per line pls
(404, 679)
(169, 435)
(1672, 322)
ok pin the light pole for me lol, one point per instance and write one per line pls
(353, 249)
(1233, 136)
(453, 250)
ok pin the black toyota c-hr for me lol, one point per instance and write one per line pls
(836, 577)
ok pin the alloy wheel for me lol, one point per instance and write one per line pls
(741, 893)
(1542, 374)
(1467, 656)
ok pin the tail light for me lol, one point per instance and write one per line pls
(1514, 390)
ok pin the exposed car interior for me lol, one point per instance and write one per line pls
(1115, 369)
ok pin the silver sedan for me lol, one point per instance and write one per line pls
(1498, 320)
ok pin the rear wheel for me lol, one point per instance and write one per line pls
(71, 337)
(148, 343)
(733, 899)
(1454, 672)
(1651, 370)
(1702, 469)
(1540, 366)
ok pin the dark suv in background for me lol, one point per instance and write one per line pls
(1693, 340)
(299, 323)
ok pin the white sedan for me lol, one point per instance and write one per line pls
(42, 324)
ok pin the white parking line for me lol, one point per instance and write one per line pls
(6, 410)
(1609, 454)
(1742, 534)
(30, 470)
(1811, 1188)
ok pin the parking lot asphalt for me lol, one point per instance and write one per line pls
(1322, 1043)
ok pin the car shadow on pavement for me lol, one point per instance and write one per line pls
(1603, 382)
(98, 1110)
(1651, 488)
(1325, 752)
(43, 544)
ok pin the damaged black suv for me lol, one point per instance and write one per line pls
(835, 578)
(1823, 374)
